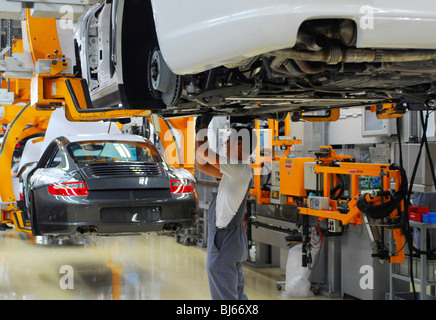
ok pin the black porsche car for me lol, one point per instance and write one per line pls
(107, 185)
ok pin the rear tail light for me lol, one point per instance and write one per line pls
(181, 186)
(68, 189)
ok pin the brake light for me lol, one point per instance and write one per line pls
(68, 189)
(181, 186)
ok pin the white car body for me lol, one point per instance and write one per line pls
(214, 33)
(258, 58)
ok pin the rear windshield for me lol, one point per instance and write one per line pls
(113, 151)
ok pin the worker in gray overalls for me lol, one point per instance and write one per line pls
(227, 239)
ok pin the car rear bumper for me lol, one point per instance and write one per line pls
(78, 215)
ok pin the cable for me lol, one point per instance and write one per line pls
(405, 225)
(316, 244)
(383, 210)
(427, 149)
(398, 121)
(405, 221)
(423, 143)
(334, 194)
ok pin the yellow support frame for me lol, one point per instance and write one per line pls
(64, 91)
(354, 215)
(262, 196)
(42, 94)
(178, 156)
(16, 131)
(71, 93)
(43, 36)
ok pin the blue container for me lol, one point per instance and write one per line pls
(429, 217)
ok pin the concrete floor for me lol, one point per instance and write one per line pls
(148, 267)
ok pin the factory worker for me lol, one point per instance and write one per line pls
(422, 199)
(227, 239)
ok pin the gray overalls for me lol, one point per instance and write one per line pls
(226, 252)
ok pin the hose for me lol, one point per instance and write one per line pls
(424, 142)
(334, 194)
(405, 221)
(383, 210)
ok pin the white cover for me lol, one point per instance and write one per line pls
(59, 125)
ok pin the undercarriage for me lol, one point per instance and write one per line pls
(323, 71)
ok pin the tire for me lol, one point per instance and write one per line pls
(36, 231)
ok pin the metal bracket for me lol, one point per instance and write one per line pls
(12, 9)
(15, 67)
(6, 97)
(6, 205)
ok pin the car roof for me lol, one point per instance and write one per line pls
(106, 137)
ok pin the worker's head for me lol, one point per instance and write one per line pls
(241, 142)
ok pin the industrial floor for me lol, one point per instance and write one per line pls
(146, 267)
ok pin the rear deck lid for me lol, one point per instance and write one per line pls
(128, 175)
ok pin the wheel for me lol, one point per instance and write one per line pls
(36, 231)
(162, 82)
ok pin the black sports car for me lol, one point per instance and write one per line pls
(105, 185)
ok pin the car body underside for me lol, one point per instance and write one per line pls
(257, 59)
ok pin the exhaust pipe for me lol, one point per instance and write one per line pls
(83, 230)
(333, 41)
(335, 55)
(172, 227)
(93, 230)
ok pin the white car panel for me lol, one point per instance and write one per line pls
(59, 123)
(214, 33)
(31, 152)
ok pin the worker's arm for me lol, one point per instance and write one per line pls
(206, 160)
(209, 170)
